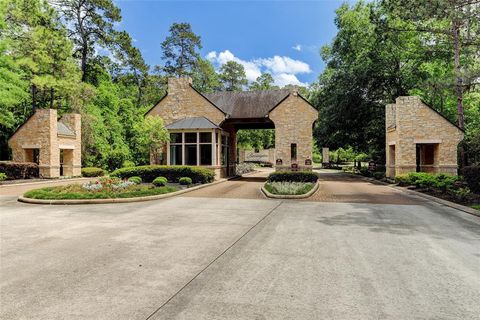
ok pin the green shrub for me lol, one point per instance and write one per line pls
(402, 180)
(440, 181)
(461, 194)
(135, 179)
(317, 158)
(471, 175)
(185, 181)
(289, 188)
(365, 172)
(379, 175)
(92, 172)
(128, 164)
(160, 181)
(172, 173)
(3, 176)
(19, 170)
(293, 176)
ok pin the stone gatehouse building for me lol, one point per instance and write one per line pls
(419, 139)
(55, 145)
(203, 126)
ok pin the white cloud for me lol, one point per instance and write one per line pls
(297, 47)
(283, 69)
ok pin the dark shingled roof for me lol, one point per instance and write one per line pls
(247, 104)
(192, 123)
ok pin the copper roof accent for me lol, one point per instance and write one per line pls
(64, 130)
(192, 123)
(247, 104)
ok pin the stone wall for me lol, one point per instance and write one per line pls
(293, 119)
(40, 132)
(410, 122)
(182, 101)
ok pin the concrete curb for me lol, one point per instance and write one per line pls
(292, 196)
(425, 196)
(117, 200)
(73, 180)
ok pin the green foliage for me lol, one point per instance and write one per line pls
(263, 82)
(381, 51)
(185, 181)
(293, 176)
(160, 181)
(232, 76)
(135, 179)
(289, 188)
(205, 78)
(180, 50)
(172, 173)
(151, 135)
(76, 191)
(256, 138)
(3, 176)
(379, 175)
(442, 182)
(92, 172)
(128, 164)
(471, 175)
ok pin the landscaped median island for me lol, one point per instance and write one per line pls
(291, 184)
(133, 182)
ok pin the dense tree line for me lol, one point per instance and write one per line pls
(389, 48)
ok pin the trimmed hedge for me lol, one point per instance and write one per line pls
(293, 176)
(19, 170)
(471, 175)
(172, 173)
(160, 181)
(92, 172)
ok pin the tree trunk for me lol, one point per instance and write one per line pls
(51, 97)
(34, 98)
(458, 76)
(84, 62)
(458, 85)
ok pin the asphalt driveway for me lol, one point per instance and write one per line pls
(225, 258)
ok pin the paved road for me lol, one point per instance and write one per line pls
(224, 258)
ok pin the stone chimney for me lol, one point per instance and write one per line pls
(177, 85)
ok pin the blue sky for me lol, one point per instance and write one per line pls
(280, 37)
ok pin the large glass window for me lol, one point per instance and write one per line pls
(176, 154)
(195, 148)
(190, 137)
(206, 154)
(191, 154)
(205, 137)
(175, 138)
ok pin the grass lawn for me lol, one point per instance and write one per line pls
(476, 206)
(76, 191)
(289, 188)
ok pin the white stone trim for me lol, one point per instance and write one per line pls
(31, 146)
(66, 146)
(427, 140)
(391, 143)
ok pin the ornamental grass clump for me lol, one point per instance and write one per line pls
(289, 188)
